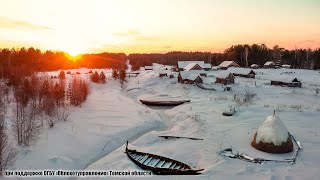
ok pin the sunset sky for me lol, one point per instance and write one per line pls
(87, 26)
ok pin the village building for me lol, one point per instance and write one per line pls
(225, 77)
(286, 66)
(269, 64)
(226, 64)
(242, 72)
(183, 64)
(192, 66)
(254, 66)
(189, 77)
(148, 68)
(283, 80)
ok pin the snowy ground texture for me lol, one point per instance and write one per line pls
(94, 137)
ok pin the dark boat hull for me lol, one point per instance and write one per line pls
(163, 103)
(157, 164)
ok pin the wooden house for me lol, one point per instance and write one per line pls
(192, 66)
(225, 77)
(242, 72)
(283, 80)
(254, 66)
(269, 64)
(226, 64)
(189, 77)
(183, 64)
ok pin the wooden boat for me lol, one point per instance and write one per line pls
(160, 165)
(163, 103)
(177, 137)
(227, 113)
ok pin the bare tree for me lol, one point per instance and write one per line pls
(7, 153)
(26, 124)
(62, 114)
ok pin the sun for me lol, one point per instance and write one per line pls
(73, 57)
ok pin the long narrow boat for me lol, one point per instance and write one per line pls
(160, 165)
(163, 103)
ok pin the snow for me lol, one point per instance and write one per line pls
(272, 131)
(94, 137)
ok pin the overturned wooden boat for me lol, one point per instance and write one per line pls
(163, 103)
(228, 113)
(160, 165)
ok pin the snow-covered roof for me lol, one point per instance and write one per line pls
(284, 78)
(191, 75)
(183, 64)
(148, 67)
(207, 66)
(228, 64)
(269, 63)
(243, 71)
(286, 66)
(254, 65)
(273, 131)
(190, 66)
(223, 74)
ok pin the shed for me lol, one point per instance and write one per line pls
(225, 77)
(242, 72)
(148, 68)
(284, 80)
(254, 66)
(269, 64)
(226, 64)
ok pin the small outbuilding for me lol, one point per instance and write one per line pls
(269, 64)
(225, 77)
(242, 72)
(254, 66)
(286, 66)
(272, 137)
(284, 80)
(148, 68)
(226, 64)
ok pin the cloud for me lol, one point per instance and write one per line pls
(130, 32)
(136, 35)
(20, 24)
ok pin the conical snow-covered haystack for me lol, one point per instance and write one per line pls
(272, 136)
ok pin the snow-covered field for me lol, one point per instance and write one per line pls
(94, 137)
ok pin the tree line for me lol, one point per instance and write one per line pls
(25, 61)
(243, 54)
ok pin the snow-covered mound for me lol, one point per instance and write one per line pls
(272, 131)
